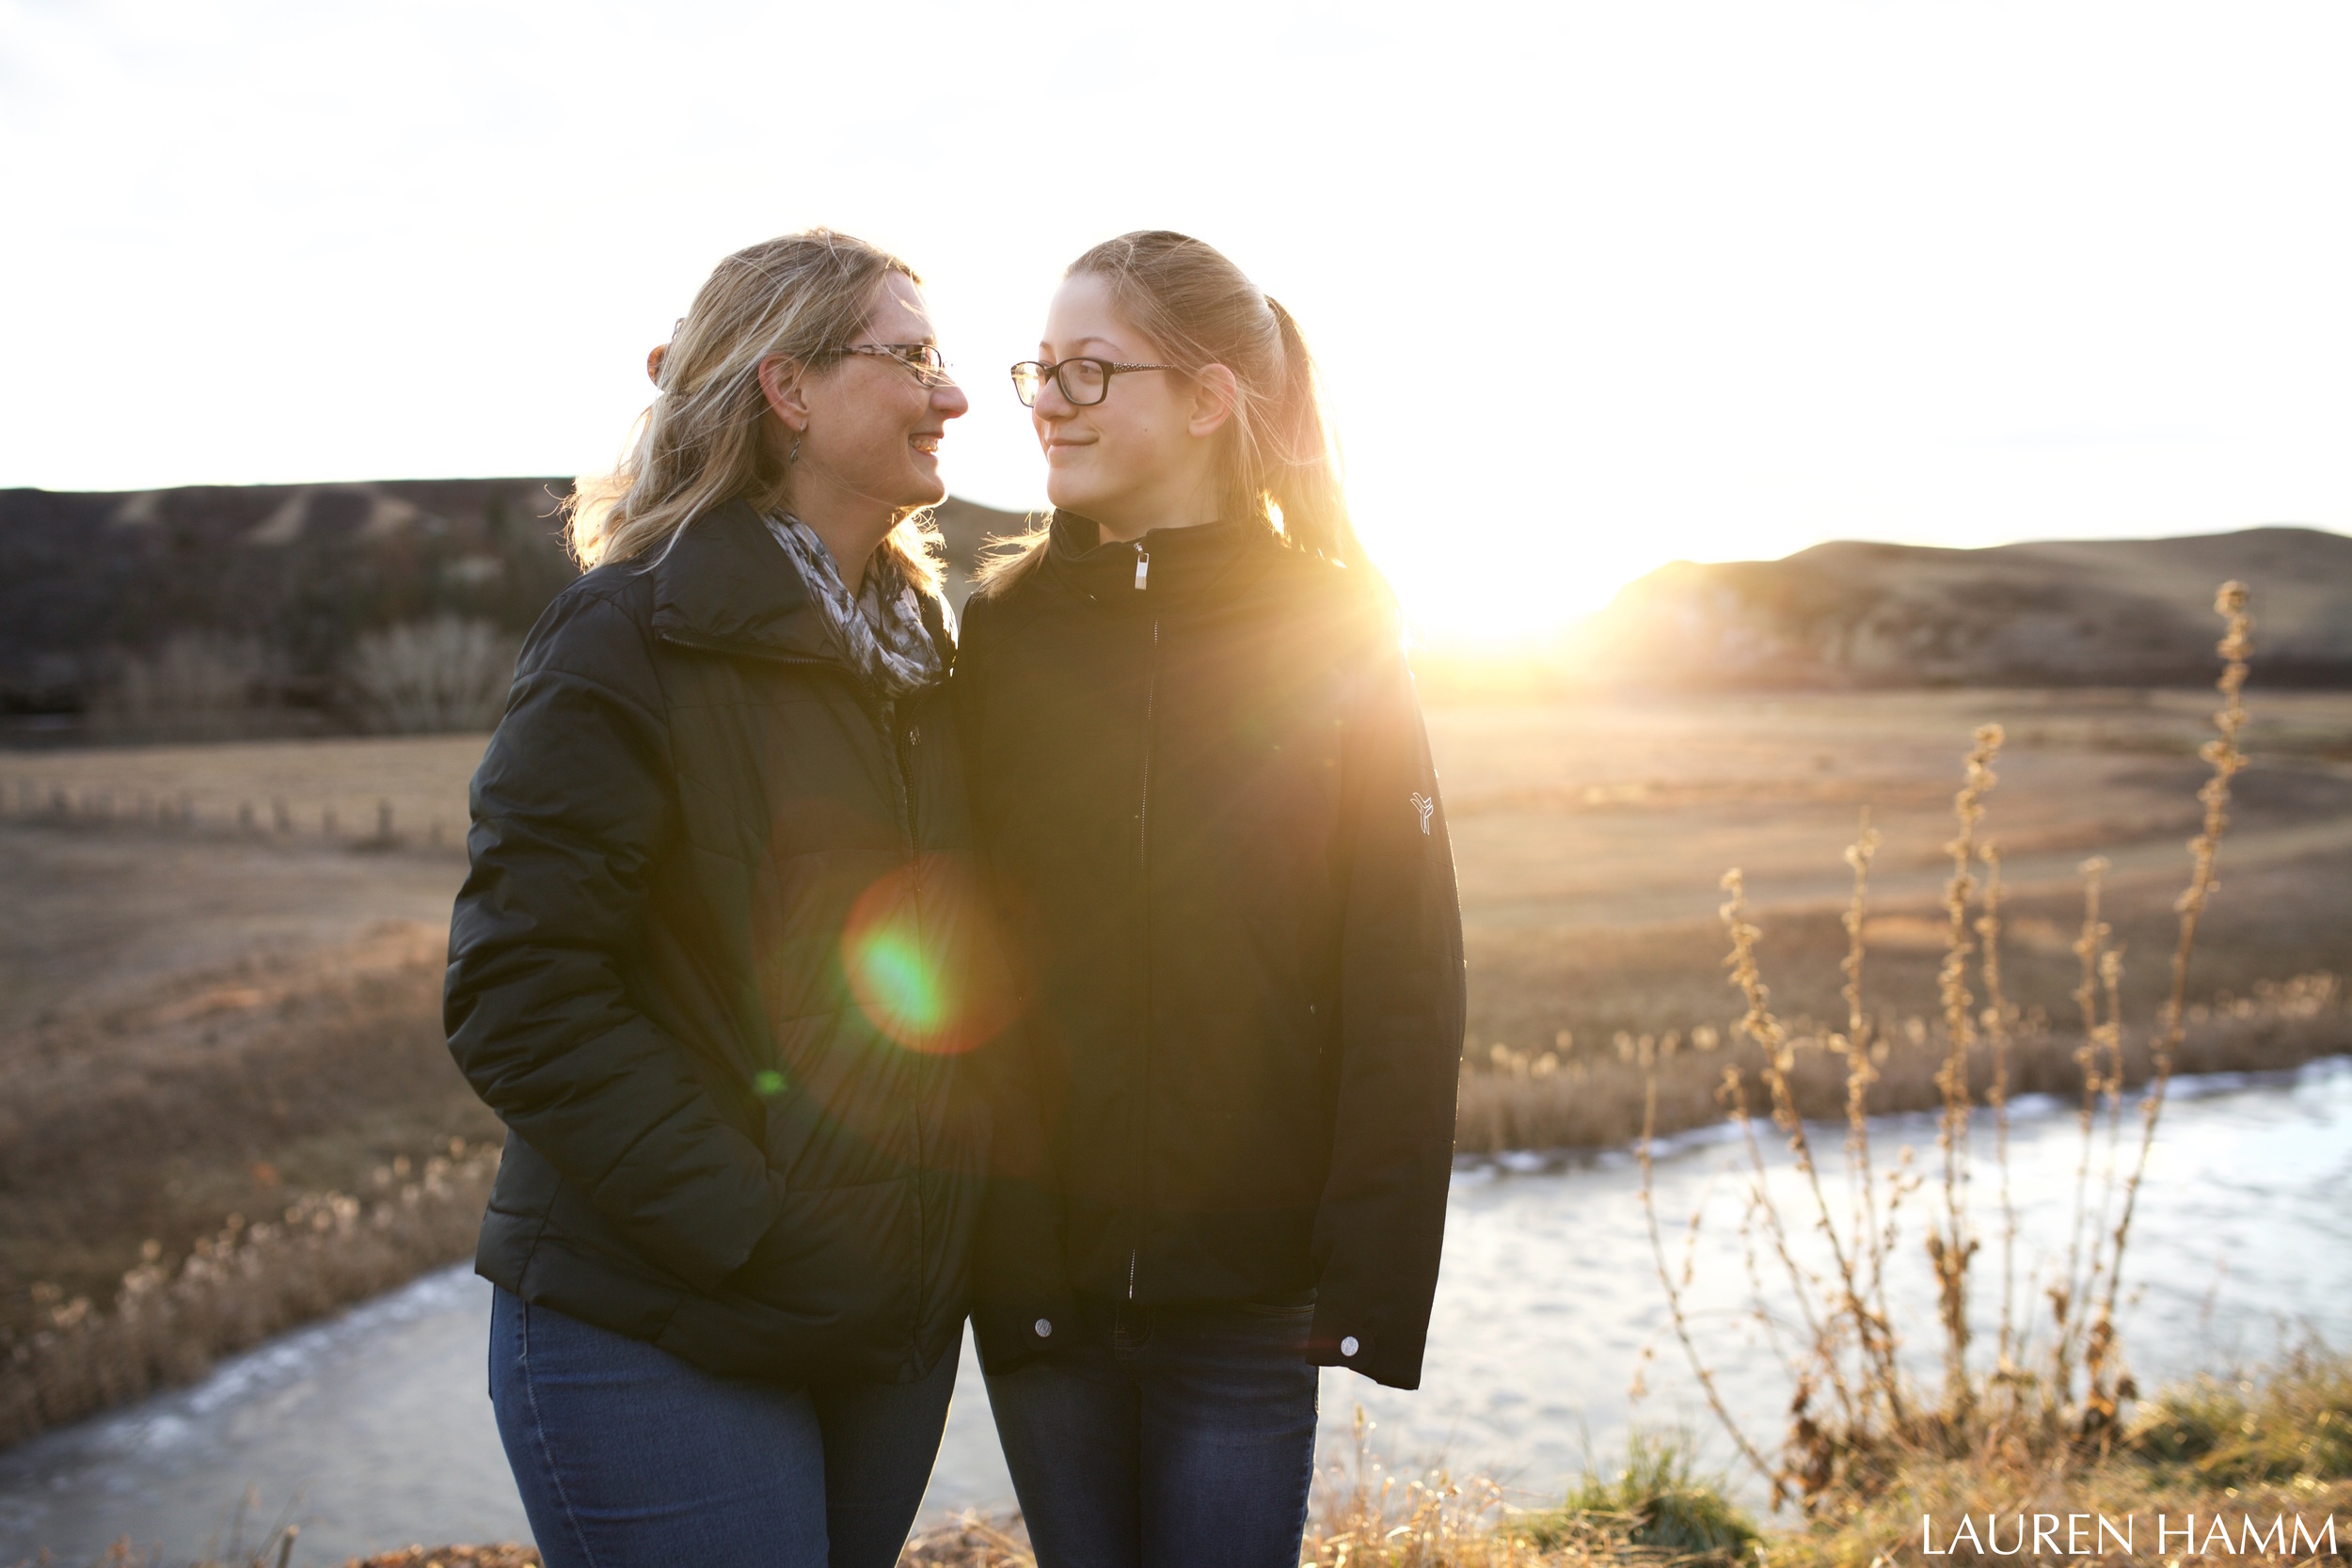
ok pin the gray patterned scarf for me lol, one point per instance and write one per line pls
(881, 629)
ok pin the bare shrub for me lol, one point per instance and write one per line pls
(428, 676)
(198, 686)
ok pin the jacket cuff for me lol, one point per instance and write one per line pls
(1345, 1338)
(1012, 1333)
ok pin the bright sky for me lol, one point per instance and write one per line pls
(1595, 286)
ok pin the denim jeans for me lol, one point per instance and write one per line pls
(625, 1455)
(1164, 1437)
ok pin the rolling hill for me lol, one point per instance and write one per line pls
(246, 609)
(2103, 613)
(274, 586)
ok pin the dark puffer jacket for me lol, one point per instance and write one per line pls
(721, 967)
(1205, 795)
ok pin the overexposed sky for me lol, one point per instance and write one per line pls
(1595, 286)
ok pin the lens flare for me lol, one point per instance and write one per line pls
(896, 987)
(922, 958)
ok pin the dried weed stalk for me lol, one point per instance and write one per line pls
(2108, 1385)
(1850, 1350)
(1953, 1245)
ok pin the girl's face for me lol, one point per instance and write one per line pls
(869, 425)
(1140, 458)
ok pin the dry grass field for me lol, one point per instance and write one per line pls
(200, 1019)
(212, 999)
(1591, 839)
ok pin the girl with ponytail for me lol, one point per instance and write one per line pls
(1202, 788)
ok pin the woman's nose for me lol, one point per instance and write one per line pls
(948, 399)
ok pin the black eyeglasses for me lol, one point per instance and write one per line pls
(928, 365)
(1082, 382)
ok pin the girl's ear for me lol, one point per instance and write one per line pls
(783, 381)
(1214, 391)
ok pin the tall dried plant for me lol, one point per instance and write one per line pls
(1850, 1348)
(2100, 1043)
(1951, 1248)
(2107, 1386)
(1863, 1051)
(1998, 1020)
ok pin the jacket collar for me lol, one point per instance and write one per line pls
(1166, 567)
(725, 583)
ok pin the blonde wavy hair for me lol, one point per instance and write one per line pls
(708, 440)
(1279, 463)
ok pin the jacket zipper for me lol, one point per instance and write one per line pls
(1143, 807)
(898, 743)
(1143, 865)
(901, 744)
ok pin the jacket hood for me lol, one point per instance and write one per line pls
(725, 582)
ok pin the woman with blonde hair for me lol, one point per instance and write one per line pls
(717, 965)
(1206, 799)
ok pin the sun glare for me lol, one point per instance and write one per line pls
(1526, 575)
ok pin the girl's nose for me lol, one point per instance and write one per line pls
(950, 400)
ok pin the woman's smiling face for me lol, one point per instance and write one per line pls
(873, 426)
(1131, 460)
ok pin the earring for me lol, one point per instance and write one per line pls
(794, 455)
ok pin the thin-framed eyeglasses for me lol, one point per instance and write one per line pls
(928, 365)
(1084, 381)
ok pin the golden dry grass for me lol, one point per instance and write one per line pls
(169, 1317)
(197, 1024)
(1590, 839)
(277, 1550)
(1654, 1509)
(225, 1089)
(1592, 1097)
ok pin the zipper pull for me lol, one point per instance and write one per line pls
(1143, 567)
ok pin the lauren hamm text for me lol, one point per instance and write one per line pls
(2074, 1535)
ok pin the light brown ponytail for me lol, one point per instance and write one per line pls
(1302, 476)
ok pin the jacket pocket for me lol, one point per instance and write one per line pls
(847, 1257)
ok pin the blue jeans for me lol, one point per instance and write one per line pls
(625, 1455)
(1164, 1437)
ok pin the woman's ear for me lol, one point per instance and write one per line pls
(783, 383)
(1214, 391)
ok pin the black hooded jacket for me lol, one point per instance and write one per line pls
(721, 966)
(1205, 793)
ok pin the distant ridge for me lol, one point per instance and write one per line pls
(2103, 613)
(93, 581)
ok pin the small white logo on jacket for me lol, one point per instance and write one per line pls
(1424, 805)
